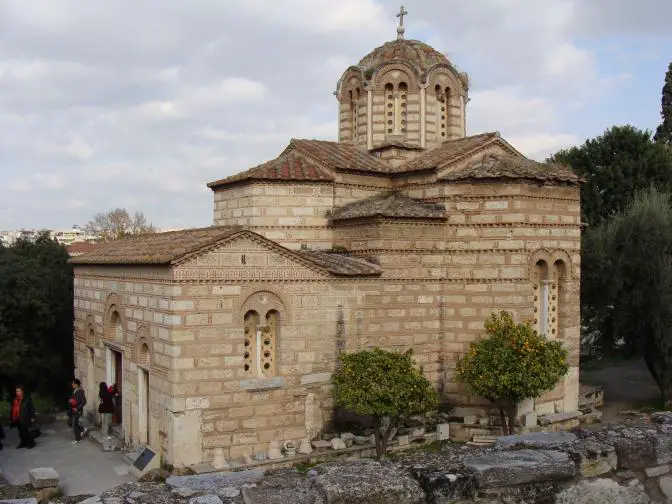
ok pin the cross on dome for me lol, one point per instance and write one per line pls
(400, 28)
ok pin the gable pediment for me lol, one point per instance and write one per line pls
(247, 257)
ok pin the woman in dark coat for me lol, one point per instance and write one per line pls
(23, 416)
(105, 408)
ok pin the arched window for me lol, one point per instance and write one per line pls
(389, 109)
(442, 112)
(402, 105)
(114, 330)
(260, 343)
(354, 113)
(542, 299)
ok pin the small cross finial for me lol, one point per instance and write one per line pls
(400, 28)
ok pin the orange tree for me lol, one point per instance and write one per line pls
(383, 385)
(511, 364)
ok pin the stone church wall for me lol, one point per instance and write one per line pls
(289, 214)
(128, 311)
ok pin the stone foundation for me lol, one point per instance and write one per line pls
(607, 465)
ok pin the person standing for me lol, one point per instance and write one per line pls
(78, 402)
(105, 408)
(22, 417)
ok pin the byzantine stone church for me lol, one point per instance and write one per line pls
(404, 233)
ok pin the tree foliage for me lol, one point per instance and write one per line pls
(387, 386)
(117, 223)
(629, 260)
(36, 315)
(511, 364)
(664, 131)
(616, 165)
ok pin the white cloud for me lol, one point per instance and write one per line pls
(110, 103)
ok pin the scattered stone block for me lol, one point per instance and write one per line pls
(403, 440)
(305, 448)
(593, 458)
(338, 444)
(213, 481)
(559, 417)
(530, 419)
(541, 440)
(348, 438)
(603, 491)
(362, 440)
(43, 477)
(274, 450)
(665, 484)
(654, 472)
(228, 492)
(366, 481)
(206, 499)
(520, 467)
(320, 444)
(443, 432)
(470, 420)
(185, 493)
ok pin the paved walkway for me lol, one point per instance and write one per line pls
(83, 468)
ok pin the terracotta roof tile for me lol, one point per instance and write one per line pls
(341, 155)
(447, 151)
(492, 166)
(391, 204)
(342, 265)
(154, 248)
(79, 248)
(290, 166)
(407, 50)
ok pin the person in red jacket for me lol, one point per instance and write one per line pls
(77, 403)
(22, 416)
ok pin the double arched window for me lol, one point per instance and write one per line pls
(260, 343)
(548, 279)
(396, 108)
(443, 103)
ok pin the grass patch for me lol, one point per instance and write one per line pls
(651, 406)
(304, 467)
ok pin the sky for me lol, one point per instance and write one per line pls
(139, 103)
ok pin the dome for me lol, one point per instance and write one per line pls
(415, 52)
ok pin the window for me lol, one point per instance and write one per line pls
(260, 343)
(389, 109)
(402, 104)
(546, 299)
(442, 112)
(354, 113)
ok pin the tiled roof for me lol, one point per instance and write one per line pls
(341, 155)
(79, 248)
(342, 265)
(396, 143)
(167, 248)
(291, 166)
(492, 166)
(411, 51)
(447, 151)
(391, 204)
(154, 248)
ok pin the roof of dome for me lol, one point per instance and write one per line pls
(412, 51)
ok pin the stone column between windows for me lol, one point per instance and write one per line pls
(369, 119)
(423, 118)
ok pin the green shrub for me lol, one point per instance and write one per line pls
(512, 364)
(384, 386)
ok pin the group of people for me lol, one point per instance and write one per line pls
(22, 413)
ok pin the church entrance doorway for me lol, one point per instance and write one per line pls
(143, 405)
(115, 368)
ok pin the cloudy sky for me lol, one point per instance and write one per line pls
(139, 103)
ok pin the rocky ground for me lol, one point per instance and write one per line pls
(609, 464)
